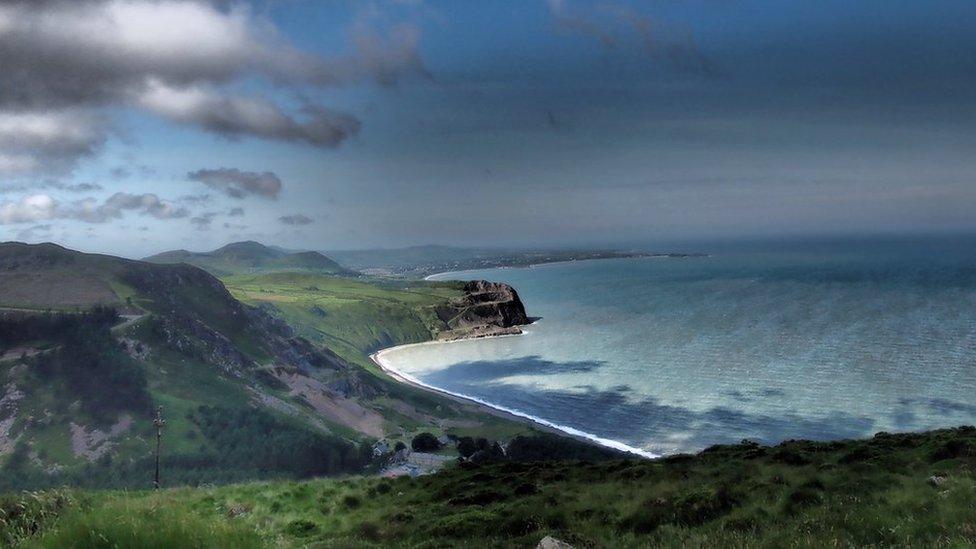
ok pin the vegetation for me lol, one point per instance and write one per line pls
(18, 328)
(353, 317)
(425, 442)
(252, 257)
(891, 490)
(80, 388)
(254, 439)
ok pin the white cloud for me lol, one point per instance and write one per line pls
(43, 207)
(29, 209)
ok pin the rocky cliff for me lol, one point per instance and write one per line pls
(485, 309)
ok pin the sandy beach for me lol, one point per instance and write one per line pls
(380, 359)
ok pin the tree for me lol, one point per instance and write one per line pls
(425, 442)
(466, 447)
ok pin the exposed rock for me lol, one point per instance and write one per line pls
(94, 444)
(937, 481)
(8, 416)
(486, 309)
(135, 348)
(330, 404)
(550, 542)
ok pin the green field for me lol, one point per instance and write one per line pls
(352, 317)
(891, 490)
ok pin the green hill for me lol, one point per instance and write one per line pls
(252, 257)
(245, 397)
(909, 490)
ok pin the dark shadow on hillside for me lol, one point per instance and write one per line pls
(617, 414)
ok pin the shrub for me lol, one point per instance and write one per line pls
(425, 442)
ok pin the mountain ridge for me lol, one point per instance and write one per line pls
(250, 256)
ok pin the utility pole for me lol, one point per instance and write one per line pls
(158, 422)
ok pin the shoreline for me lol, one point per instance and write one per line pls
(511, 413)
(431, 277)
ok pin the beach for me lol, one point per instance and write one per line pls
(384, 364)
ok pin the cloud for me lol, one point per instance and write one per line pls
(49, 141)
(203, 221)
(121, 172)
(30, 209)
(37, 232)
(236, 212)
(81, 187)
(296, 219)
(43, 207)
(203, 198)
(668, 44)
(237, 183)
(51, 184)
(146, 204)
(66, 61)
(235, 117)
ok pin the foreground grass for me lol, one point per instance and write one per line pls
(877, 492)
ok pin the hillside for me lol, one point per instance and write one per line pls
(77, 389)
(888, 491)
(252, 257)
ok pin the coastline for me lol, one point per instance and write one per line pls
(435, 277)
(510, 413)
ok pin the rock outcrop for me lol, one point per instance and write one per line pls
(485, 309)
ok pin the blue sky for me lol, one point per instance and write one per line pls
(341, 124)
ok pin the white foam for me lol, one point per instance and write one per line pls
(384, 363)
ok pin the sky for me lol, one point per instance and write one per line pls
(136, 126)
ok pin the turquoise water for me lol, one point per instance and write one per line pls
(668, 355)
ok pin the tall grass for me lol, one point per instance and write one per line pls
(145, 522)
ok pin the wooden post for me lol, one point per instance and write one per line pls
(158, 422)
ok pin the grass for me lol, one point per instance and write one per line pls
(353, 317)
(875, 492)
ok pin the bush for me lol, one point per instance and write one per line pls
(466, 447)
(24, 515)
(425, 442)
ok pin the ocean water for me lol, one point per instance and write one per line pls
(807, 340)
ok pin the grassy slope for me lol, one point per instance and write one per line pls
(355, 318)
(180, 382)
(856, 493)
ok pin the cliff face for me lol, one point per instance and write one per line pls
(486, 309)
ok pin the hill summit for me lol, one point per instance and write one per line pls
(251, 257)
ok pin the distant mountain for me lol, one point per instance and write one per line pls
(252, 257)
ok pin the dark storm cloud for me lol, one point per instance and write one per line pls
(237, 183)
(235, 117)
(296, 219)
(175, 58)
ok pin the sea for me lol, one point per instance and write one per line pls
(811, 339)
